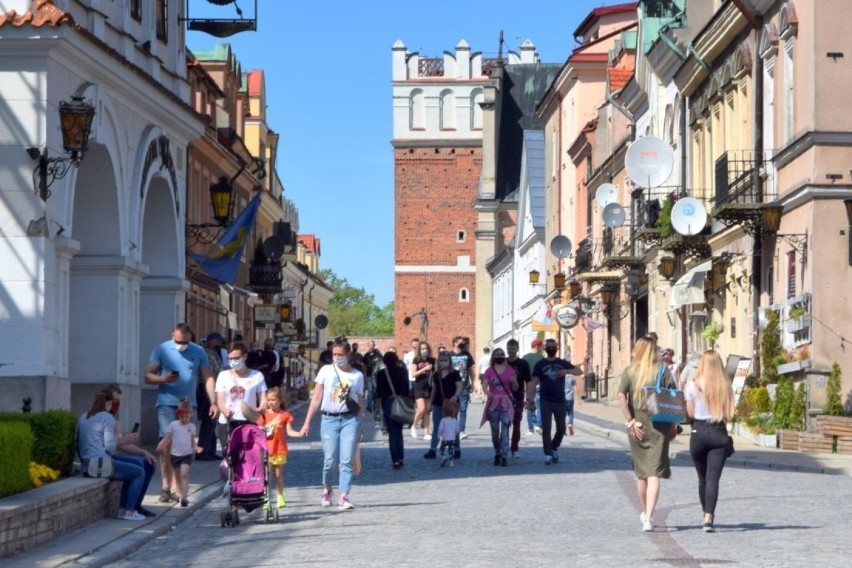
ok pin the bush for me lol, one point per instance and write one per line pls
(759, 400)
(798, 409)
(16, 443)
(833, 404)
(53, 432)
(783, 403)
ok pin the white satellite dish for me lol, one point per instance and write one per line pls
(649, 162)
(614, 215)
(606, 194)
(689, 216)
(560, 246)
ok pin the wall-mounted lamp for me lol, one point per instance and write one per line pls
(667, 266)
(75, 120)
(574, 288)
(608, 294)
(222, 199)
(772, 222)
(534, 276)
(559, 280)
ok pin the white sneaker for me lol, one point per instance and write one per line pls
(647, 526)
(414, 432)
(463, 436)
(530, 433)
(427, 437)
(537, 430)
(131, 516)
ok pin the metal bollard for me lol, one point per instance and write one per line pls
(27, 408)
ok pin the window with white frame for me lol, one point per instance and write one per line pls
(416, 110)
(477, 97)
(464, 295)
(788, 94)
(447, 110)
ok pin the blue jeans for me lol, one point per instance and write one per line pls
(395, 436)
(339, 438)
(368, 392)
(148, 474)
(464, 400)
(500, 420)
(569, 411)
(133, 476)
(437, 415)
(534, 418)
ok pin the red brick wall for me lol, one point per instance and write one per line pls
(435, 190)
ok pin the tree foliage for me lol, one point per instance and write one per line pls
(353, 311)
(771, 350)
(833, 404)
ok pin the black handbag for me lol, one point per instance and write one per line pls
(402, 407)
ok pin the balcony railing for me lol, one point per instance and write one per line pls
(434, 66)
(736, 172)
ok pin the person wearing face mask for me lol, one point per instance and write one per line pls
(337, 387)
(240, 392)
(421, 369)
(522, 372)
(550, 372)
(499, 383)
(176, 367)
(446, 385)
(463, 363)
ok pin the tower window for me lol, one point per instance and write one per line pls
(460, 236)
(464, 295)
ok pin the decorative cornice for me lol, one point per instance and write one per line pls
(807, 141)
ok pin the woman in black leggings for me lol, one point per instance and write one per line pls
(710, 404)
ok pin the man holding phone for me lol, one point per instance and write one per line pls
(176, 366)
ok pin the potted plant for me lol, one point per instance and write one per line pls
(797, 319)
(711, 333)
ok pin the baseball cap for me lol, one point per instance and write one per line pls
(537, 343)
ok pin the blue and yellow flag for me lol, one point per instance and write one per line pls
(224, 263)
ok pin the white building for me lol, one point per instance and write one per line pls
(93, 277)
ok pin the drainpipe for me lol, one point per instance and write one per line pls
(684, 164)
(757, 256)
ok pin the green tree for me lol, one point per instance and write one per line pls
(782, 408)
(771, 351)
(798, 409)
(833, 404)
(352, 311)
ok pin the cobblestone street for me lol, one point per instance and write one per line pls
(582, 510)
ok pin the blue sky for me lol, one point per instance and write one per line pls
(328, 84)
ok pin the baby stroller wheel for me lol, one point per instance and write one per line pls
(236, 517)
(223, 518)
(275, 515)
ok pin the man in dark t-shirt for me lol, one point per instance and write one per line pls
(550, 373)
(522, 372)
(463, 362)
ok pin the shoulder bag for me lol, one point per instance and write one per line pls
(100, 467)
(508, 392)
(402, 407)
(345, 396)
(664, 404)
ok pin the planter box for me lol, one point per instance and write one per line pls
(834, 425)
(844, 445)
(794, 366)
(802, 323)
(788, 439)
(815, 442)
(762, 440)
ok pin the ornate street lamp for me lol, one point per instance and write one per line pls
(720, 271)
(222, 199)
(772, 218)
(534, 275)
(574, 288)
(75, 120)
(666, 267)
(559, 280)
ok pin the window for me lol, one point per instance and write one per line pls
(162, 21)
(136, 10)
(448, 111)
(416, 110)
(789, 106)
(460, 236)
(791, 274)
(464, 296)
(477, 98)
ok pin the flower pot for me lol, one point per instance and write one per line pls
(802, 323)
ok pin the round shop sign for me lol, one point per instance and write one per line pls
(566, 316)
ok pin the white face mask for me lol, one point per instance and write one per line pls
(181, 347)
(424, 352)
(341, 361)
(236, 364)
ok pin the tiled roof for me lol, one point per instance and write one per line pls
(310, 242)
(598, 13)
(41, 13)
(618, 77)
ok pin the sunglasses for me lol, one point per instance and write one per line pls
(181, 342)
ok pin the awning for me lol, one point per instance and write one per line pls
(689, 289)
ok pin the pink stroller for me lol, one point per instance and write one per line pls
(247, 474)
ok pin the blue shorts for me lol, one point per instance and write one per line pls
(168, 414)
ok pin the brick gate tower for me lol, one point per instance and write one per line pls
(437, 144)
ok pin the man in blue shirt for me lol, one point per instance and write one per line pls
(176, 367)
(550, 373)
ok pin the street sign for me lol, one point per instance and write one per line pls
(266, 314)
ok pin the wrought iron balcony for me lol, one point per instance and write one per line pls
(265, 279)
(738, 196)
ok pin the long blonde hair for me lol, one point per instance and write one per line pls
(646, 362)
(714, 386)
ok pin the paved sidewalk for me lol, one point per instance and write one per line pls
(110, 540)
(605, 417)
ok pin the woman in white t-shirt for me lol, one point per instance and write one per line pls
(341, 425)
(237, 385)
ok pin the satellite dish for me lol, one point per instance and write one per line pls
(649, 162)
(321, 322)
(614, 215)
(560, 246)
(273, 247)
(606, 194)
(689, 216)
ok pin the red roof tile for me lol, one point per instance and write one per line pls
(310, 242)
(619, 77)
(41, 13)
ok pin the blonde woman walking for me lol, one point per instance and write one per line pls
(710, 404)
(649, 441)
